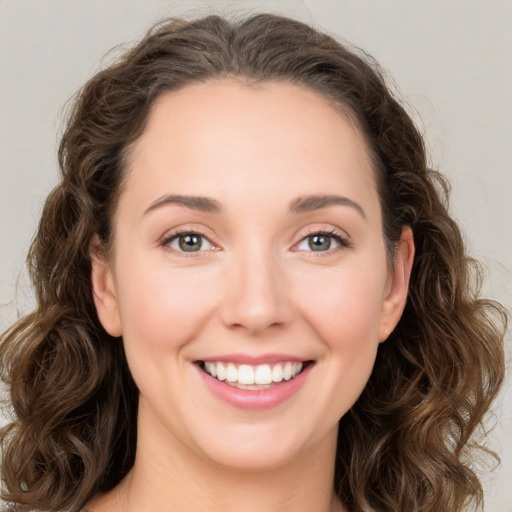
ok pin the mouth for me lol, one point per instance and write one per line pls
(253, 377)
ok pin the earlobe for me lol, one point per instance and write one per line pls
(104, 290)
(397, 291)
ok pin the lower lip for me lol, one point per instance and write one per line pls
(258, 399)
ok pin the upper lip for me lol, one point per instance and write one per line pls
(254, 360)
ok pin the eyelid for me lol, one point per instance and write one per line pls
(339, 236)
(175, 234)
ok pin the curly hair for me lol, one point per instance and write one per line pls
(405, 445)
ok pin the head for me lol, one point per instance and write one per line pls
(81, 256)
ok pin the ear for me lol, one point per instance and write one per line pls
(104, 290)
(398, 284)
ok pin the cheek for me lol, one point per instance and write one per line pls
(162, 313)
(162, 308)
(344, 303)
(341, 309)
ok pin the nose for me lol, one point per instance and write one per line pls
(256, 293)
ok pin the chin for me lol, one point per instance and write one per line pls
(256, 448)
(252, 461)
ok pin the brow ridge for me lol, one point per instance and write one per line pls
(313, 202)
(299, 205)
(200, 203)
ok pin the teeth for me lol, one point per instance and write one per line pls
(245, 374)
(253, 375)
(220, 371)
(211, 368)
(231, 373)
(277, 373)
(263, 374)
(287, 371)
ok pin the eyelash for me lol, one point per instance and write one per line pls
(342, 241)
(172, 236)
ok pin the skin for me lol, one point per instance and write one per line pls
(255, 287)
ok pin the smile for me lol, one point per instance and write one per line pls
(254, 384)
(254, 377)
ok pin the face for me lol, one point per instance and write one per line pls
(249, 278)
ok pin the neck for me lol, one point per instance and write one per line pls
(176, 478)
(227, 491)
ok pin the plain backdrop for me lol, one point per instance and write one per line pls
(451, 60)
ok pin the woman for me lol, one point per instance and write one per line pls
(250, 292)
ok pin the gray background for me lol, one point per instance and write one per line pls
(450, 58)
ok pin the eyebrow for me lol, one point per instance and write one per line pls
(200, 203)
(316, 202)
(301, 204)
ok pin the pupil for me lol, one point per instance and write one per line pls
(190, 243)
(319, 242)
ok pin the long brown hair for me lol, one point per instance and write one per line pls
(404, 445)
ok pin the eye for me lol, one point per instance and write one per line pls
(188, 241)
(322, 241)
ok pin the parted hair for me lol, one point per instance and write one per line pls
(406, 445)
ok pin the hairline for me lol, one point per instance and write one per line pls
(340, 107)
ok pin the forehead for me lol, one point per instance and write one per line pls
(232, 137)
